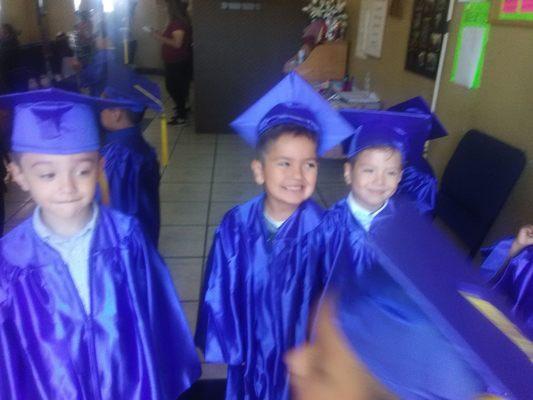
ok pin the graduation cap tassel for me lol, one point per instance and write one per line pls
(104, 187)
(164, 140)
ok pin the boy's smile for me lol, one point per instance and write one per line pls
(374, 176)
(62, 185)
(288, 172)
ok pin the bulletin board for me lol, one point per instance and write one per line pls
(512, 12)
(428, 27)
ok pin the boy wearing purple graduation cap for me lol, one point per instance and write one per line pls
(130, 163)
(257, 295)
(375, 155)
(87, 306)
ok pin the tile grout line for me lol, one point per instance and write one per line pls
(211, 188)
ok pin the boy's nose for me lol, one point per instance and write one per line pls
(67, 184)
(297, 172)
(380, 179)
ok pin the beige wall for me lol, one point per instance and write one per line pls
(60, 16)
(22, 14)
(502, 106)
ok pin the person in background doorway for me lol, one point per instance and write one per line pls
(176, 51)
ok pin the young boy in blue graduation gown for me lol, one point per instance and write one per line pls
(130, 163)
(87, 306)
(256, 297)
(509, 269)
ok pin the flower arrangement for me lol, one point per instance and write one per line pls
(332, 12)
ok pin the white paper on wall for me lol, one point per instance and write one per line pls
(469, 55)
(362, 29)
(376, 28)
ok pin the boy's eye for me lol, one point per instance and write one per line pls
(393, 173)
(311, 164)
(283, 163)
(368, 170)
(84, 172)
(47, 176)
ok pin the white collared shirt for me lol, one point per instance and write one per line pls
(272, 224)
(73, 250)
(361, 214)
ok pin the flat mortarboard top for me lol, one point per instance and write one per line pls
(293, 101)
(418, 105)
(54, 121)
(481, 346)
(125, 84)
(405, 131)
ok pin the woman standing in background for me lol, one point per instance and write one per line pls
(176, 52)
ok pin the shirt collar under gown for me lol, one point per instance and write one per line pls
(134, 344)
(256, 298)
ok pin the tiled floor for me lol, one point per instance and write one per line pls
(206, 175)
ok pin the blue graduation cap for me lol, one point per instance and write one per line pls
(423, 322)
(407, 132)
(293, 101)
(125, 84)
(54, 121)
(418, 105)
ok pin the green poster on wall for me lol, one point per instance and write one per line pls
(471, 45)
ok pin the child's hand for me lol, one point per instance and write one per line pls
(523, 239)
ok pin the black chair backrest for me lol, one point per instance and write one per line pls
(476, 183)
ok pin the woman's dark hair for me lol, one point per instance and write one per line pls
(178, 10)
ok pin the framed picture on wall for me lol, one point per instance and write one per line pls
(428, 26)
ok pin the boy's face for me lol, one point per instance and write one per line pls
(62, 185)
(374, 176)
(327, 368)
(288, 172)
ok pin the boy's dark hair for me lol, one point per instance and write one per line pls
(15, 156)
(270, 136)
(384, 146)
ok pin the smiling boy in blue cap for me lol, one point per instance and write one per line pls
(87, 306)
(256, 296)
(130, 163)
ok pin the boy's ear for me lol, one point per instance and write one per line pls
(16, 173)
(348, 173)
(257, 169)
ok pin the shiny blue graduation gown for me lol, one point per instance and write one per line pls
(515, 281)
(341, 237)
(134, 344)
(132, 172)
(256, 299)
(420, 185)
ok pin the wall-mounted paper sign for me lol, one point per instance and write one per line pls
(471, 44)
(240, 6)
(371, 28)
